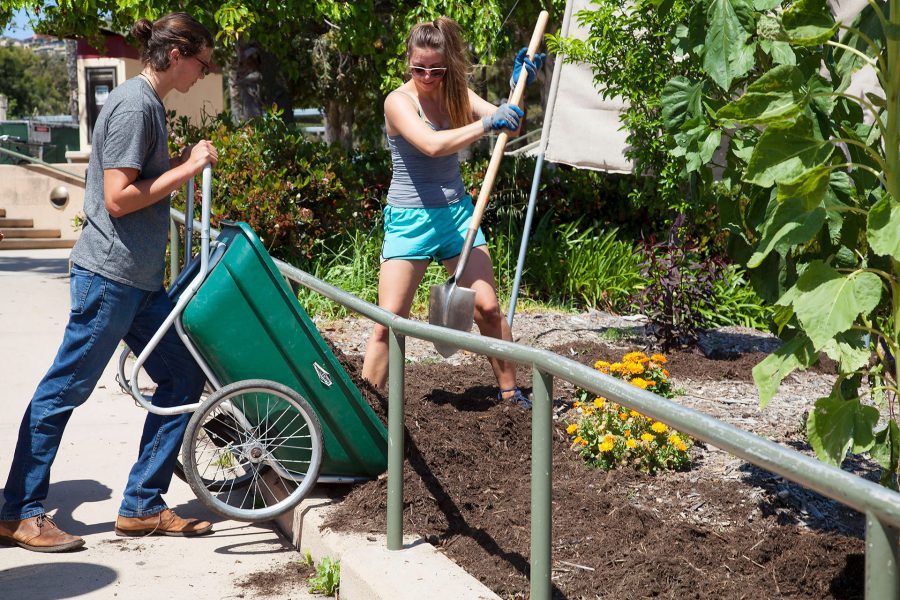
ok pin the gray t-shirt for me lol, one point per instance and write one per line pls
(130, 133)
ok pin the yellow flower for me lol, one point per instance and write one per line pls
(659, 427)
(601, 365)
(609, 438)
(578, 439)
(659, 359)
(587, 411)
(681, 446)
(630, 443)
(623, 416)
(674, 439)
(577, 403)
(647, 437)
(633, 368)
(641, 383)
(634, 413)
(638, 357)
(606, 446)
(572, 428)
(616, 367)
(599, 402)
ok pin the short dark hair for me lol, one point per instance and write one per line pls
(175, 30)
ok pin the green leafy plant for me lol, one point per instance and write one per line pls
(814, 204)
(608, 435)
(327, 579)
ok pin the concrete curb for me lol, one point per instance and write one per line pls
(369, 571)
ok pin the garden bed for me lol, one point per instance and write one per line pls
(723, 529)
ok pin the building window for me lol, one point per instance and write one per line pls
(100, 82)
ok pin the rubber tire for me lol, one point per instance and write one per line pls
(200, 485)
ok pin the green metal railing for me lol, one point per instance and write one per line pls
(880, 505)
(40, 162)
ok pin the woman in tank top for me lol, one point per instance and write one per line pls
(428, 120)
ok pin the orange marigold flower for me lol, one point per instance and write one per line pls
(630, 444)
(578, 439)
(599, 402)
(659, 359)
(638, 357)
(577, 403)
(572, 428)
(647, 437)
(681, 447)
(628, 433)
(606, 446)
(616, 367)
(601, 365)
(674, 439)
(641, 383)
(659, 427)
(623, 416)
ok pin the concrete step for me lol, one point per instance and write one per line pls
(34, 243)
(4, 223)
(17, 232)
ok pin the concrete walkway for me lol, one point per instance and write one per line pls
(98, 449)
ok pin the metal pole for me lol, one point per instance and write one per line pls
(536, 179)
(882, 575)
(396, 385)
(541, 484)
(189, 222)
(173, 249)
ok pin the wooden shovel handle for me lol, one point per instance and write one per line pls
(516, 98)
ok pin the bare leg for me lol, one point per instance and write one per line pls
(397, 283)
(479, 276)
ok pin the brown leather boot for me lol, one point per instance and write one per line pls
(163, 523)
(38, 534)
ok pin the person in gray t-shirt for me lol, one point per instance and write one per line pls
(117, 294)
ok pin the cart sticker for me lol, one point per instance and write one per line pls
(324, 376)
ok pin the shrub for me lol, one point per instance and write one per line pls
(607, 434)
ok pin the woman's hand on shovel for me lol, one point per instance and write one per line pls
(506, 116)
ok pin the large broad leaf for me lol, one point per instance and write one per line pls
(837, 425)
(883, 229)
(784, 151)
(696, 142)
(725, 56)
(809, 22)
(828, 303)
(886, 452)
(849, 350)
(798, 353)
(868, 23)
(681, 101)
(810, 187)
(773, 97)
(791, 223)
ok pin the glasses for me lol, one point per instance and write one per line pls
(206, 67)
(422, 72)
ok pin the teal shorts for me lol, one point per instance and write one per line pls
(428, 233)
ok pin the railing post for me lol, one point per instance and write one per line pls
(396, 390)
(882, 575)
(173, 249)
(541, 483)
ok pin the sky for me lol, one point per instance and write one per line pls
(19, 27)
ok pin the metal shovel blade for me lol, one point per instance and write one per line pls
(451, 306)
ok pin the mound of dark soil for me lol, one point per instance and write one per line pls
(618, 534)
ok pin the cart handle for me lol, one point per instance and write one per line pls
(139, 397)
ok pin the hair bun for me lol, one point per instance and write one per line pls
(142, 30)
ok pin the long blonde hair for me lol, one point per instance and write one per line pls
(445, 36)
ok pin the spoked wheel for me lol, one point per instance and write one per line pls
(253, 450)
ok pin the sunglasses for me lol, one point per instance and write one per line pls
(422, 72)
(206, 66)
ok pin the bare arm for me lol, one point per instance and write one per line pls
(124, 194)
(401, 116)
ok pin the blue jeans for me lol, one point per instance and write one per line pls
(104, 312)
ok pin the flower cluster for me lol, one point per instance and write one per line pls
(640, 370)
(607, 434)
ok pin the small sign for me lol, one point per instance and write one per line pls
(324, 376)
(38, 134)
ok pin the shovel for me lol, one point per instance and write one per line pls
(450, 305)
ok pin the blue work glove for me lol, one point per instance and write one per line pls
(531, 66)
(506, 115)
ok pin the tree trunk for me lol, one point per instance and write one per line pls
(72, 72)
(339, 124)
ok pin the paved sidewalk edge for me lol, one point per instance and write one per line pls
(369, 571)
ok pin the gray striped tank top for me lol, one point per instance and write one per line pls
(421, 181)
